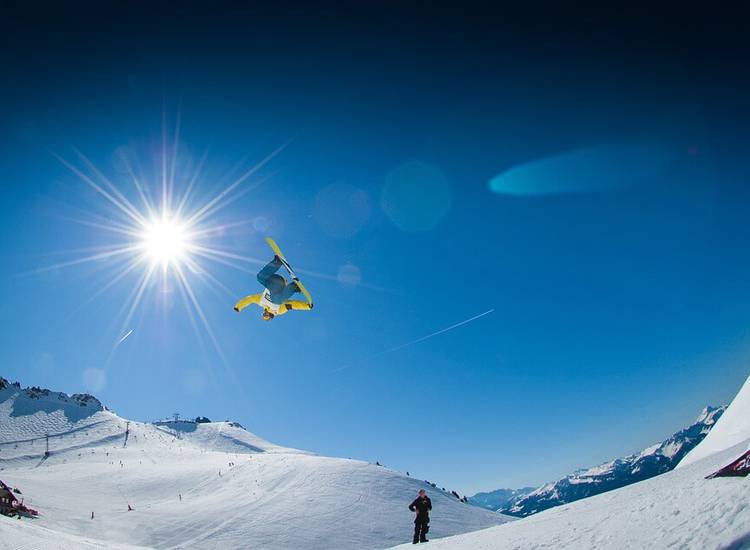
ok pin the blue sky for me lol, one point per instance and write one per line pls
(593, 195)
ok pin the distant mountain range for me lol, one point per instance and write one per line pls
(500, 498)
(650, 462)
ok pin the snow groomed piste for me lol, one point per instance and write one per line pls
(191, 484)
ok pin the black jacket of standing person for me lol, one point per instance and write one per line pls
(422, 505)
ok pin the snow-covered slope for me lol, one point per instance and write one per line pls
(650, 462)
(25, 535)
(731, 430)
(194, 485)
(229, 437)
(30, 413)
(679, 509)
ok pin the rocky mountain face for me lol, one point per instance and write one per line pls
(45, 395)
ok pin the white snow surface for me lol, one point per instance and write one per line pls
(732, 429)
(25, 535)
(678, 509)
(238, 490)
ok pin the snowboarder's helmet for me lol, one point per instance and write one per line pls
(267, 315)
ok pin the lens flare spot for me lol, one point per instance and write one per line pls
(349, 275)
(94, 380)
(416, 196)
(589, 170)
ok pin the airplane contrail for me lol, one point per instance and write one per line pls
(423, 338)
(441, 331)
(121, 340)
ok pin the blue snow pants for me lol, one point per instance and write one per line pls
(276, 284)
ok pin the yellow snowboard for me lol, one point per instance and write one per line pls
(288, 267)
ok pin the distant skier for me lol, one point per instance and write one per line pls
(422, 506)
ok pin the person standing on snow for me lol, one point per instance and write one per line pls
(422, 506)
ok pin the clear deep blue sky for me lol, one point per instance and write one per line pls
(583, 174)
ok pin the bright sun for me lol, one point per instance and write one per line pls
(165, 234)
(165, 241)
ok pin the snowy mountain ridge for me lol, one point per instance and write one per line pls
(620, 472)
(499, 498)
(44, 395)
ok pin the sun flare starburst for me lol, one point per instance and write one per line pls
(164, 232)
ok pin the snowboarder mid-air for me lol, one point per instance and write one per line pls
(276, 298)
(422, 506)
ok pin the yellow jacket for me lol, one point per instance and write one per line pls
(264, 302)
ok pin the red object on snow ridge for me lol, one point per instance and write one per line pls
(738, 468)
(10, 505)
